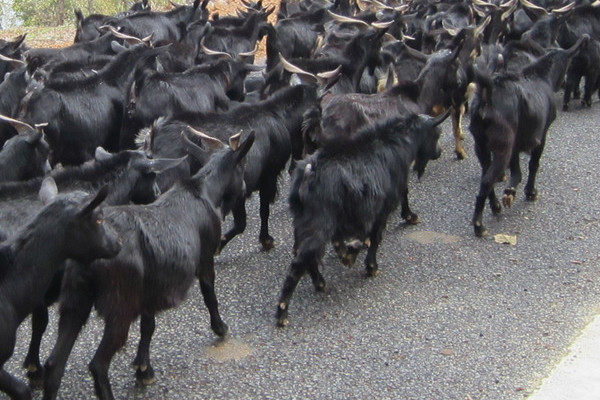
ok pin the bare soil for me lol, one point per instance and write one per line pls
(61, 36)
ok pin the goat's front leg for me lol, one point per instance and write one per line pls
(457, 114)
(144, 372)
(239, 224)
(405, 212)
(10, 385)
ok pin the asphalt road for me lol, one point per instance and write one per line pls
(450, 317)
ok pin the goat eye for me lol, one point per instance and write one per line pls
(99, 221)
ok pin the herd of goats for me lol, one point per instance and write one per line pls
(123, 152)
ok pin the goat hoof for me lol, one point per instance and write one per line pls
(565, 107)
(412, 219)
(460, 154)
(372, 271)
(282, 315)
(35, 375)
(531, 196)
(509, 197)
(496, 207)
(220, 329)
(267, 243)
(320, 286)
(349, 259)
(508, 200)
(144, 374)
(480, 230)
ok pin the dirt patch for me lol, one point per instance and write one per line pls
(62, 36)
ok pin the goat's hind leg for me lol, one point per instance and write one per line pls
(267, 194)
(73, 315)
(114, 337)
(510, 192)
(9, 384)
(12, 386)
(534, 164)
(310, 251)
(35, 371)
(144, 373)
(206, 277)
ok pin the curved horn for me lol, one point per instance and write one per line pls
(381, 5)
(508, 12)
(330, 74)
(508, 4)
(348, 20)
(288, 66)
(13, 61)
(481, 27)
(530, 5)
(482, 3)
(564, 9)
(210, 52)
(450, 29)
(249, 53)
(120, 35)
(20, 126)
(382, 25)
(210, 141)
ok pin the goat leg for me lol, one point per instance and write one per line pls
(13, 387)
(206, 277)
(114, 338)
(144, 373)
(534, 164)
(265, 239)
(35, 371)
(239, 224)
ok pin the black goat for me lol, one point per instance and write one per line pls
(130, 177)
(200, 89)
(156, 260)
(25, 155)
(510, 114)
(88, 27)
(84, 113)
(277, 123)
(12, 90)
(67, 227)
(347, 190)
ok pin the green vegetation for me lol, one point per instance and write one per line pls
(60, 12)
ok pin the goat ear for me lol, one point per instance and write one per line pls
(441, 118)
(94, 202)
(48, 191)
(244, 147)
(101, 155)
(34, 137)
